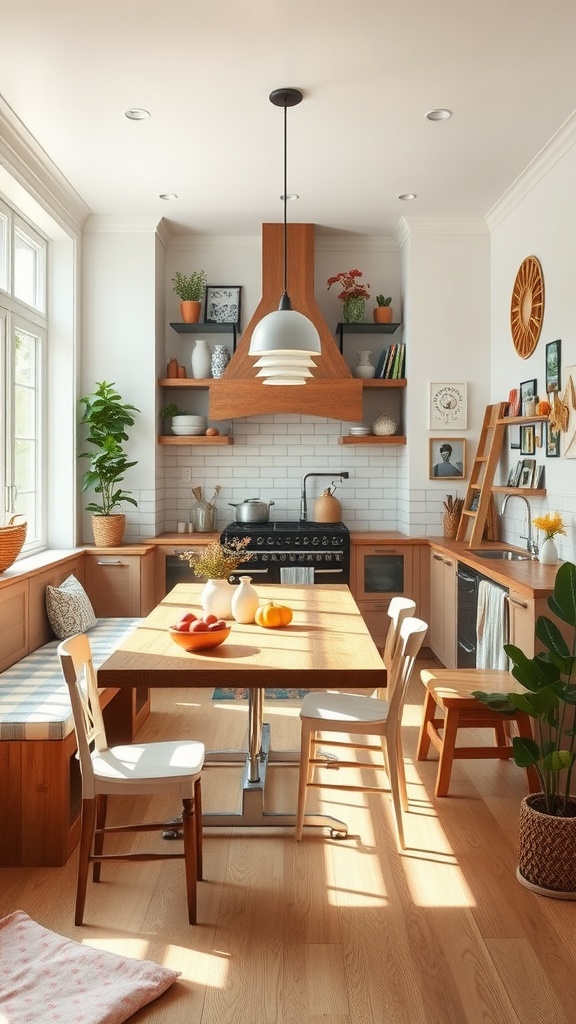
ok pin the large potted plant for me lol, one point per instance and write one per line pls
(547, 859)
(190, 291)
(107, 417)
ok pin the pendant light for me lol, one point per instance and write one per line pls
(285, 341)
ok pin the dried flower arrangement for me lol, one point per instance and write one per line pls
(217, 561)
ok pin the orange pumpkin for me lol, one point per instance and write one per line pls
(543, 409)
(273, 616)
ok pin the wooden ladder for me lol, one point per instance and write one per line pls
(478, 502)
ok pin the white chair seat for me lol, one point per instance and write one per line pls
(156, 764)
(344, 707)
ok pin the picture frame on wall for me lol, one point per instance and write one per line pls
(447, 406)
(527, 473)
(552, 442)
(553, 366)
(528, 393)
(514, 435)
(447, 458)
(222, 304)
(527, 440)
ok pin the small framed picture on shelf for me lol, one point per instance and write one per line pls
(527, 473)
(527, 440)
(553, 366)
(539, 476)
(223, 304)
(517, 474)
(528, 393)
(447, 457)
(511, 477)
(552, 442)
(514, 403)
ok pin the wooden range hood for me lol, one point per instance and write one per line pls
(332, 391)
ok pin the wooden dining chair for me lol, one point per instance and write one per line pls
(167, 768)
(360, 717)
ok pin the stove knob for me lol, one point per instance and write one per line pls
(319, 557)
(306, 540)
(264, 556)
(260, 540)
(328, 556)
(270, 540)
(315, 540)
(297, 540)
(282, 557)
(324, 541)
(292, 556)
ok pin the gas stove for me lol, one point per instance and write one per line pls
(294, 551)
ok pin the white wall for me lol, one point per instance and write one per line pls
(538, 218)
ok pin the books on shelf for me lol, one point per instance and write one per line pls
(391, 364)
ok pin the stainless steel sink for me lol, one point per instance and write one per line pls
(503, 555)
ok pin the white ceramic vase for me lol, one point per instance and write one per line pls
(201, 360)
(364, 368)
(548, 552)
(245, 601)
(216, 598)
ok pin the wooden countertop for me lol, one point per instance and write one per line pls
(530, 578)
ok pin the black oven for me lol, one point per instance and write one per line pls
(293, 552)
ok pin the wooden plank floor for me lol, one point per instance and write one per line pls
(327, 931)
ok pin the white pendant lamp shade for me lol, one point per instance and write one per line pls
(288, 339)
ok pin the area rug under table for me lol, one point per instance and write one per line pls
(45, 978)
(232, 693)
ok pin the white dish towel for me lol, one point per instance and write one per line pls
(297, 574)
(491, 627)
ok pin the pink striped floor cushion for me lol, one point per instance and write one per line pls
(44, 976)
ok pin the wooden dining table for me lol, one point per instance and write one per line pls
(326, 646)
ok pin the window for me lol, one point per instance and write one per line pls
(23, 333)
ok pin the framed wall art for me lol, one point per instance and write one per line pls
(528, 393)
(553, 366)
(527, 473)
(552, 442)
(527, 440)
(447, 458)
(223, 304)
(447, 407)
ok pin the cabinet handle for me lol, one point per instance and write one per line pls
(437, 558)
(115, 561)
(514, 600)
(386, 551)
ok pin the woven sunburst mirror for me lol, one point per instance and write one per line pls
(527, 307)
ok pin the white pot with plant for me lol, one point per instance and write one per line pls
(107, 417)
(190, 291)
(383, 310)
(547, 841)
(182, 422)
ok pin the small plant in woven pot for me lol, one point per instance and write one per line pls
(548, 819)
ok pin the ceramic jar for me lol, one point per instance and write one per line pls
(383, 426)
(364, 368)
(201, 360)
(327, 508)
(216, 598)
(548, 554)
(220, 360)
(245, 601)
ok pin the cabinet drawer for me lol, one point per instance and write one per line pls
(114, 583)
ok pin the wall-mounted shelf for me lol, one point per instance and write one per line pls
(198, 439)
(372, 439)
(384, 382)
(184, 382)
(533, 492)
(208, 328)
(343, 329)
(507, 421)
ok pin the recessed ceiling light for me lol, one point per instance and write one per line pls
(440, 114)
(407, 196)
(137, 114)
(168, 196)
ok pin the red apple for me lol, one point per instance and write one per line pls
(216, 627)
(184, 621)
(199, 626)
(209, 619)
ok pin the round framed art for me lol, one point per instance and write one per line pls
(527, 307)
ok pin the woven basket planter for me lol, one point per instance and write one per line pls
(12, 538)
(108, 530)
(547, 850)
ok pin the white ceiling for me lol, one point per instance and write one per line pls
(369, 72)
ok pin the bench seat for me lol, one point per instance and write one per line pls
(40, 786)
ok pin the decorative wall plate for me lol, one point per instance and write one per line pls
(527, 307)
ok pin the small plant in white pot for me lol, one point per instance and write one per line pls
(190, 291)
(107, 417)
(182, 421)
(547, 862)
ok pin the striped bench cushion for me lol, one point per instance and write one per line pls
(34, 701)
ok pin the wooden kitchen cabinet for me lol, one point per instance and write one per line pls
(120, 581)
(443, 602)
(522, 619)
(379, 572)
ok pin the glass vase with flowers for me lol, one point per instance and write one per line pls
(551, 525)
(353, 295)
(215, 563)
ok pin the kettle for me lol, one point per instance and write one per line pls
(327, 508)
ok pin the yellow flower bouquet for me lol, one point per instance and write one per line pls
(550, 523)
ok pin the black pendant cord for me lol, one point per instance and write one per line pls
(285, 199)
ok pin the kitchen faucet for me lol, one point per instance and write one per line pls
(303, 505)
(531, 544)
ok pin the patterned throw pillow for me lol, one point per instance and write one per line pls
(69, 608)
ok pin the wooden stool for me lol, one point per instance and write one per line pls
(450, 690)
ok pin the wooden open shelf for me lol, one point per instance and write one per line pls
(372, 439)
(196, 439)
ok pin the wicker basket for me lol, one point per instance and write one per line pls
(546, 858)
(108, 530)
(12, 538)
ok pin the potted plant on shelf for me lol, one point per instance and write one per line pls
(546, 862)
(190, 291)
(353, 295)
(383, 311)
(107, 417)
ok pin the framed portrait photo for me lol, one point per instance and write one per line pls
(553, 366)
(223, 304)
(528, 393)
(527, 440)
(447, 458)
(447, 407)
